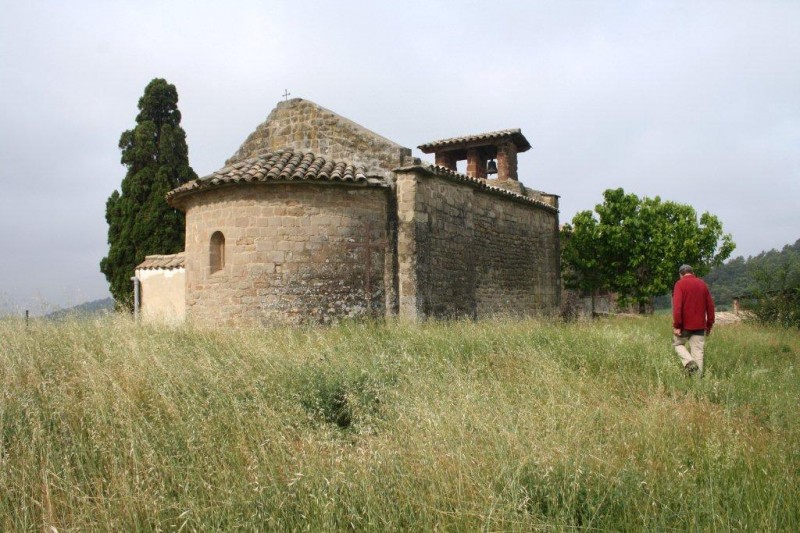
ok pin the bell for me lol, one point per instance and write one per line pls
(491, 167)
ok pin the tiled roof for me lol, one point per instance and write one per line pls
(478, 183)
(166, 262)
(281, 165)
(492, 136)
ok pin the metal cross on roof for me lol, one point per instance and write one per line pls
(286, 94)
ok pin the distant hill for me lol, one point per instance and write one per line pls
(95, 307)
(768, 271)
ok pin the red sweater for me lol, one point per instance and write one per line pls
(692, 306)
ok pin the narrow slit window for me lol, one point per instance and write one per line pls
(217, 252)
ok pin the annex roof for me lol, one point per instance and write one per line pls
(280, 165)
(166, 262)
(491, 137)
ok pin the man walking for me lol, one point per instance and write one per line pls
(692, 319)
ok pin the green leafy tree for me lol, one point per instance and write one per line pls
(634, 246)
(585, 272)
(140, 222)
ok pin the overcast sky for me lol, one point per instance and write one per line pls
(697, 102)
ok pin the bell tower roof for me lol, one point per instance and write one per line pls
(503, 145)
(492, 138)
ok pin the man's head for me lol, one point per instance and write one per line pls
(685, 269)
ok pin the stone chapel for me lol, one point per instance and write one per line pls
(316, 218)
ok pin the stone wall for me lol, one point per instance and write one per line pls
(293, 253)
(575, 305)
(162, 295)
(304, 126)
(467, 251)
(516, 246)
(446, 272)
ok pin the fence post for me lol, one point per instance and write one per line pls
(135, 281)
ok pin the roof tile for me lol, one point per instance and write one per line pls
(513, 134)
(167, 262)
(281, 165)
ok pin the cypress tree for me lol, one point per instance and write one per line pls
(140, 222)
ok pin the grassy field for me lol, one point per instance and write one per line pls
(502, 425)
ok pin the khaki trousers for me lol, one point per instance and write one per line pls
(695, 351)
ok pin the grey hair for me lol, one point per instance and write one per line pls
(685, 269)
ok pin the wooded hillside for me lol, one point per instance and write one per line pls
(766, 272)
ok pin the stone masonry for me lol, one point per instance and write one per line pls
(294, 253)
(304, 126)
(463, 252)
(316, 218)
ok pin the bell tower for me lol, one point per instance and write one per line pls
(480, 151)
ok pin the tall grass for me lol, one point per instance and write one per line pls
(497, 425)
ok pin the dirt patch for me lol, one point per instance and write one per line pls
(725, 317)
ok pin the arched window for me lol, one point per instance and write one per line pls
(217, 252)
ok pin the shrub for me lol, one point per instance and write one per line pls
(778, 308)
(336, 396)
